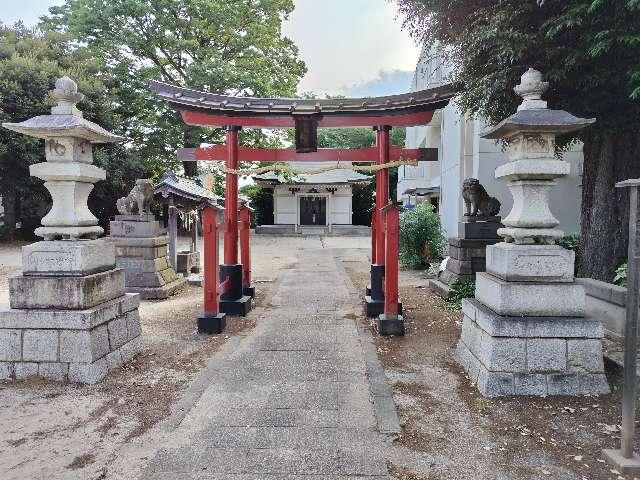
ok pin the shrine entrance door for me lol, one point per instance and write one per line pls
(313, 210)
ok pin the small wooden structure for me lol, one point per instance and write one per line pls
(187, 195)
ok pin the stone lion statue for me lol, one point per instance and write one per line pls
(139, 199)
(477, 201)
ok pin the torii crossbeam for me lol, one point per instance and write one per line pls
(307, 115)
(273, 155)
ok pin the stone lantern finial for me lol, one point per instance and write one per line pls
(66, 93)
(531, 89)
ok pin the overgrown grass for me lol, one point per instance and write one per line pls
(458, 291)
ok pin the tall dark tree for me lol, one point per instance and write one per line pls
(223, 46)
(589, 51)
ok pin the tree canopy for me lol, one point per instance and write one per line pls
(223, 46)
(589, 51)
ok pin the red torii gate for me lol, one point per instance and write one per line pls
(306, 115)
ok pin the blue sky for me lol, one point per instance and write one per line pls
(351, 47)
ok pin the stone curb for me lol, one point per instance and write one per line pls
(381, 394)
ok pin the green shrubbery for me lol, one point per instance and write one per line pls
(458, 291)
(419, 227)
(621, 275)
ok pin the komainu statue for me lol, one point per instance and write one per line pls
(139, 199)
(477, 201)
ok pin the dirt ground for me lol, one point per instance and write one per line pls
(449, 431)
(67, 431)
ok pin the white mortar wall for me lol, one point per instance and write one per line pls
(341, 208)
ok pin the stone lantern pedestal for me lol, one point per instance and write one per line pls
(525, 332)
(69, 316)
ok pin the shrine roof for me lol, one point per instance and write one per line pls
(224, 106)
(182, 187)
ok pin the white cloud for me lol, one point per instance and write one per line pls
(349, 42)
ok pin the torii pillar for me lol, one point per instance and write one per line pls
(233, 301)
(374, 301)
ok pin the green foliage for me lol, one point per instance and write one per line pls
(224, 46)
(572, 242)
(621, 275)
(261, 202)
(419, 227)
(458, 291)
(587, 49)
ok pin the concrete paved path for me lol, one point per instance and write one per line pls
(293, 400)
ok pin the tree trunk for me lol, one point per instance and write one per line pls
(9, 205)
(608, 158)
(191, 138)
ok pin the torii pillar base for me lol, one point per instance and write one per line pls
(212, 324)
(388, 326)
(249, 290)
(234, 301)
(374, 300)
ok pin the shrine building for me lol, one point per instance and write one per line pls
(312, 200)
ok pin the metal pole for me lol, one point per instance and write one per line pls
(624, 459)
(631, 332)
(231, 198)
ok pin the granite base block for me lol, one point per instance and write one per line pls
(390, 326)
(212, 324)
(135, 229)
(240, 306)
(530, 355)
(77, 346)
(65, 292)
(530, 299)
(67, 258)
(375, 308)
(141, 251)
(530, 263)
(188, 262)
(249, 290)
(479, 230)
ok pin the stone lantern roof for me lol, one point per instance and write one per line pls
(65, 119)
(533, 114)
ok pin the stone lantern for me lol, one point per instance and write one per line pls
(70, 318)
(69, 173)
(525, 332)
